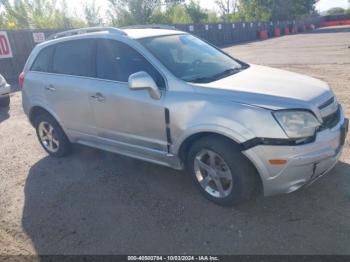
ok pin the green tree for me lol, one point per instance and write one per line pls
(92, 13)
(336, 11)
(213, 17)
(178, 14)
(197, 14)
(16, 13)
(174, 14)
(227, 8)
(265, 10)
(24, 14)
(298, 9)
(128, 12)
(251, 10)
(170, 3)
(44, 14)
(3, 22)
(159, 17)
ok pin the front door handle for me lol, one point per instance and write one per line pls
(98, 97)
(50, 88)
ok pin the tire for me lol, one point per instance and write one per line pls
(60, 143)
(5, 101)
(228, 160)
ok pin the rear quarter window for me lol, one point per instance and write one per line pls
(42, 61)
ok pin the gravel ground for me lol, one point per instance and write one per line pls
(94, 202)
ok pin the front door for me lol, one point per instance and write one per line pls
(129, 120)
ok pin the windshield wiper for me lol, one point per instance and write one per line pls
(225, 73)
(204, 79)
(218, 76)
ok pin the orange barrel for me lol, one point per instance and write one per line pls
(277, 32)
(263, 34)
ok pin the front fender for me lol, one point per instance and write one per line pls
(239, 135)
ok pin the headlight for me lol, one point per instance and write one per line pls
(297, 124)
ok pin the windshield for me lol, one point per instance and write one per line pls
(191, 59)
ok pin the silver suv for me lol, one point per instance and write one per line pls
(167, 97)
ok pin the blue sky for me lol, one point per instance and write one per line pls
(324, 5)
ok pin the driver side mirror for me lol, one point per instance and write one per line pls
(143, 81)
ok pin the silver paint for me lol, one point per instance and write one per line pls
(109, 115)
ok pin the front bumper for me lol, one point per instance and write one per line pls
(306, 163)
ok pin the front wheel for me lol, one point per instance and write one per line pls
(220, 171)
(51, 136)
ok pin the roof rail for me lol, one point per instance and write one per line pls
(86, 30)
(152, 26)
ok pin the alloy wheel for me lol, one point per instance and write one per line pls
(48, 137)
(213, 173)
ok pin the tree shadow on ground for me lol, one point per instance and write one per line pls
(4, 113)
(94, 202)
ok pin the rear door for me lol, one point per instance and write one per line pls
(69, 85)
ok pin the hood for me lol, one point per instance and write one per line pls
(270, 88)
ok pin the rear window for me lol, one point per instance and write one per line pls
(75, 58)
(42, 61)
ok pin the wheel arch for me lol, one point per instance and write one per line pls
(191, 139)
(38, 110)
(196, 132)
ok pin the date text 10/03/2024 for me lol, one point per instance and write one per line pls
(173, 258)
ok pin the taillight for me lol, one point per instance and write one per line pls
(21, 80)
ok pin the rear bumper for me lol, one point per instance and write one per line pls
(306, 163)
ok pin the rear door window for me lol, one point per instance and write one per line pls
(42, 61)
(117, 61)
(75, 58)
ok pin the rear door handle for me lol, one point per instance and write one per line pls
(50, 88)
(98, 97)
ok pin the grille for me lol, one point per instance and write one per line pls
(327, 103)
(331, 120)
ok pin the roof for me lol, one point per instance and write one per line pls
(149, 32)
(133, 33)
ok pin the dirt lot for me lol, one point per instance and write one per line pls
(94, 202)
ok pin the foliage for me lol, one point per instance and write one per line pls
(197, 14)
(35, 14)
(169, 3)
(92, 13)
(336, 11)
(276, 9)
(227, 8)
(56, 13)
(131, 12)
(179, 14)
(255, 10)
(213, 17)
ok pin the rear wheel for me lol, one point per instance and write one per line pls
(51, 136)
(220, 171)
(5, 101)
